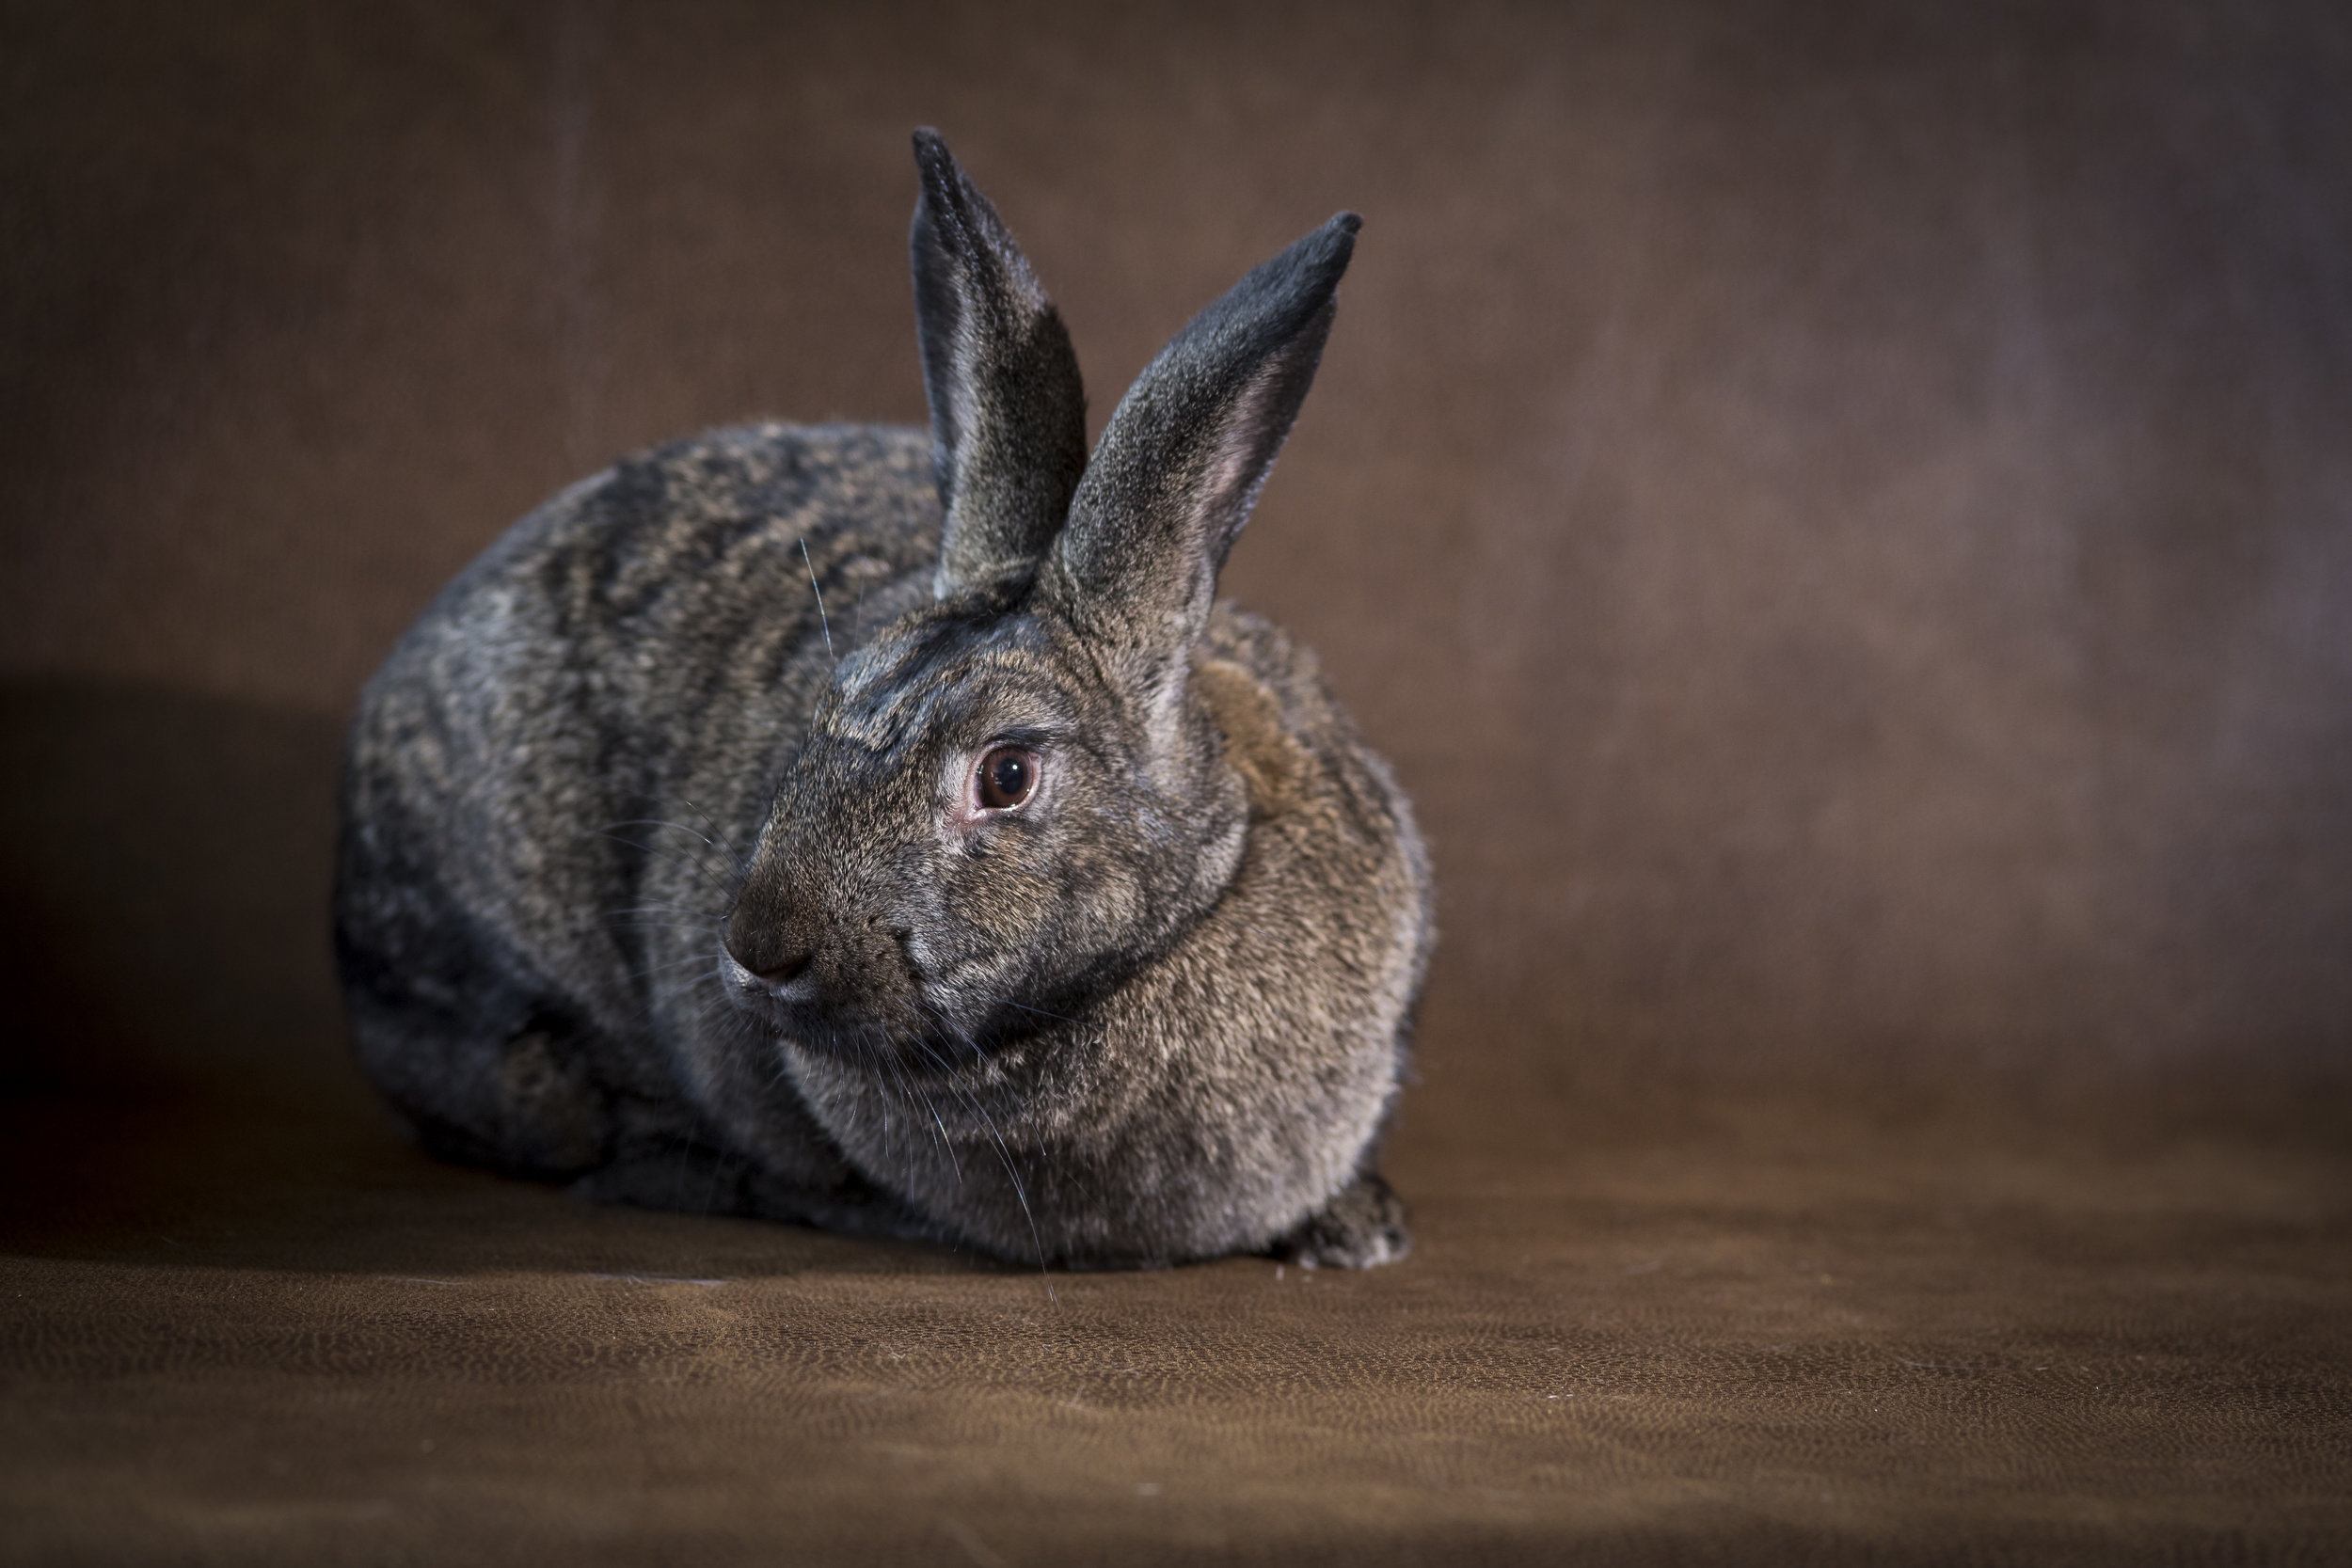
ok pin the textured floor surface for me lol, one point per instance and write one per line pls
(1769, 1330)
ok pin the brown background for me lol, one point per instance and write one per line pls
(1840, 514)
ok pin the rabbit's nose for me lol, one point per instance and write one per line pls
(777, 965)
(774, 936)
(785, 971)
(769, 945)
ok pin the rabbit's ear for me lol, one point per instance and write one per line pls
(1007, 408)
(1181, 463)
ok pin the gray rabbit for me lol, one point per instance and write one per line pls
(895, 835)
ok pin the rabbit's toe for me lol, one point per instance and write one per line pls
(1361, 1229)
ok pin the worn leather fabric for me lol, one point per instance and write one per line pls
(1837, 511)
(1771, 1332)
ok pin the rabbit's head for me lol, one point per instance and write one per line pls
(1014, 795)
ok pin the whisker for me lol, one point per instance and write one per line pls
(742, 861)
(663, 822)
(821, 599)
(906, 1087)
(705, 958)
(725, 884)
(1008, 1002)
(947, 1144)
(710, 1192)
(1004, 1151)
(995, 1001)
(630, 923)
(680, 861)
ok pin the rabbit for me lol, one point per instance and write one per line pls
(889, 830)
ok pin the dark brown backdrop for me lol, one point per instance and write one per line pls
(1843, 513)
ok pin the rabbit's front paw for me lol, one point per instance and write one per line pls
(1361, 1229)
(682, 1180)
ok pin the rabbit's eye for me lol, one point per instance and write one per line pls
(1008, 777)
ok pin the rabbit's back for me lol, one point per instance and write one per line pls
(547, 785)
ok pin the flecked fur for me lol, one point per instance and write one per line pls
(657, 877)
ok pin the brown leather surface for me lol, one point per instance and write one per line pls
(1837, 512)
(1768, 1333)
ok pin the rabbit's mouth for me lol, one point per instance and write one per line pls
(902, 1031)
(856, 1007)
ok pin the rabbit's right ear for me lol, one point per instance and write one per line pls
(1181, 461)
(1007, 407)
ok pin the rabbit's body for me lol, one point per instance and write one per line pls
(657, 876)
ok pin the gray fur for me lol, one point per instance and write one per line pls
(640, 888)
(1009, 423)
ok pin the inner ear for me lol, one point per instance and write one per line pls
(1253, 429)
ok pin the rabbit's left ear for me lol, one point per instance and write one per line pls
(1007, 408)
(1182, 461)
